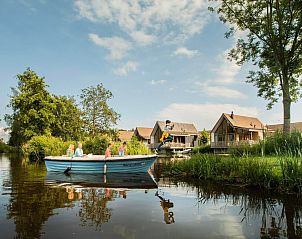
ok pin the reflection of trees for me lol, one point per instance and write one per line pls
(280, 216)
(32, 202)
(94, 211)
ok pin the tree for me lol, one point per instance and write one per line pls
(204, 137)
(98, 116)
(273, 44)
(68, 124)
(32, 107)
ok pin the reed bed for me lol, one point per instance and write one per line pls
(280, 173)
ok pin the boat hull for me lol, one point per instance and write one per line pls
(127, 164)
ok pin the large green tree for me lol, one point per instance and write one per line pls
(32, 107)
(68, 123)
(273, 43)
(98, 116)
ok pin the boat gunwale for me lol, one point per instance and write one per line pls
(112, 159)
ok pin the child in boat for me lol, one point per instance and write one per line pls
(70, 150)
(108, 151)
(122, 149)
(166, 136)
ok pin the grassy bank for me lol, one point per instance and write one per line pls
(281, 173)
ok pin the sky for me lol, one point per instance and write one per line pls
(161, 59)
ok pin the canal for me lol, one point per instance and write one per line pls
(37, 204)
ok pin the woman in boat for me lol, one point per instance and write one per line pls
(122, 149)
(70, 150)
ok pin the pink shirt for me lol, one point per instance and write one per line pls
(107, 153)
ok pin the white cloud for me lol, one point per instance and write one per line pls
(221, 91)
(126, 68)
(183, 51)
(158, 82)
(142, 38)
(227, 70)
(145, 20)
(202, 115)
(117, 46)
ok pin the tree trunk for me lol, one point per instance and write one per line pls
(286, 113)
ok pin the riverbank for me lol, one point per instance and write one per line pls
(282, 174)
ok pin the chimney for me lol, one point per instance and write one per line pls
(232, 115)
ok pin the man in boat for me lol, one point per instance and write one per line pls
(79, 151)
(166, 136)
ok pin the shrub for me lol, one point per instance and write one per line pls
(205, 149)
(4, 148)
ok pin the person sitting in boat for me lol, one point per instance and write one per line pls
(122, 149)
(166, 136)
(70, 150)
(108, 151)
(79, 151)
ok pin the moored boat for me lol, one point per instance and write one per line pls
(98, 164)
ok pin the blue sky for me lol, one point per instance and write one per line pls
(161, 59)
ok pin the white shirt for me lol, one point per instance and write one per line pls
(78, 152)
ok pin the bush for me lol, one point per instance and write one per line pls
(205, 149)
(40, 146)
(4, 148)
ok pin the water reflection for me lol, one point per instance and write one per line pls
(40, 204)
(166, 204)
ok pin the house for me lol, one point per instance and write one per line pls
(297, 126)
(233, 129)
(143, 134)
(184, 136)
(124, 135)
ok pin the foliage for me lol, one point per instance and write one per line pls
(134, 147)
(32, 109)
(204, 137)
(205, 149)
(98, 116)
(40, 146)
(96, 145)
(275, 144)
(68, 123)
(4, 148)
(272, 42)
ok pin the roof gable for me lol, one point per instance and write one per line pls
(124, 135)
(144, 132)
(179, 128)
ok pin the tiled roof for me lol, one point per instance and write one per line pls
(293, 126)
(144, 132)
(244, 121)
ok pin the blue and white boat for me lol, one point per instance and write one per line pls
(98, 164)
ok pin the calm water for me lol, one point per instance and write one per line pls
(34, 204)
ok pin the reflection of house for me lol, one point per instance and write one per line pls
(143, 134)
(279, 127)
(124, 135)
(184, 135)
(233, 129)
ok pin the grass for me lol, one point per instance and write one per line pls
(280, 173)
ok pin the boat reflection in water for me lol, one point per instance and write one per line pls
(111, 180)
(92, 192)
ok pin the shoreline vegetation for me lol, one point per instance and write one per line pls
(40, 146)
(273, 164)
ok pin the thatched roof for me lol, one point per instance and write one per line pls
(144, 133)
(124, 135)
